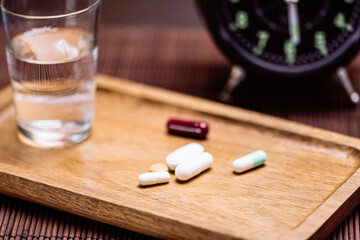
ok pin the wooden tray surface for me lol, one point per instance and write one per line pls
(309, 184)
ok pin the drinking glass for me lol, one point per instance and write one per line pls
(52, 52)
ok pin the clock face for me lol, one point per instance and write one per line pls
(287, 34)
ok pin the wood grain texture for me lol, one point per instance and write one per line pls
(310, 175)
(186, 60)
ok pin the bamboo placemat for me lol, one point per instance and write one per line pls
(184, 60)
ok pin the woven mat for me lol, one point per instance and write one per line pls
(184, 60)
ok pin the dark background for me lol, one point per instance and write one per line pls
(140, 13)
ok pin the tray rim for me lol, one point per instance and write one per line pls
(139, 90)
(330, 212)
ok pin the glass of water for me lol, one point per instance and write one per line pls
(52, 60)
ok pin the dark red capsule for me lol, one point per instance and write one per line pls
(192, 129)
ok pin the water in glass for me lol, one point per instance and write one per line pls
(52, 73)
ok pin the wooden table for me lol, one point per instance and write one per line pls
(183, 60)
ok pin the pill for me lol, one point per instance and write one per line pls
(249, 161)
(152, 178)
(190, 169)
(158, 167)
(189, 151)
(193, 129)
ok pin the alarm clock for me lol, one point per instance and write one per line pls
(286, 40)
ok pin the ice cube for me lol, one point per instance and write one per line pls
(66, 49)
(50, 44)
(23, 49)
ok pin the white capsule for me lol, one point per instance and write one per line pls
(249, 161)
(180, 155)
(191, 168)
(152, 178)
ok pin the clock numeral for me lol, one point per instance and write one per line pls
(241, 21)
(341, 23)
(320, 43)
(290, 52)
(263, 39)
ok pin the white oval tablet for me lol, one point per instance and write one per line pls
(152, 178)
(190, 169)
(180, 155)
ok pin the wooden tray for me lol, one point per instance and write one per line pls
(309, 184)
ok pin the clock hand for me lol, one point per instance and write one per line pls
(293, 18)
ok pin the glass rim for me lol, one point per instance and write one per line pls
(95, 4)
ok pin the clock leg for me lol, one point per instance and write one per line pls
(236, 77)
(344, 79)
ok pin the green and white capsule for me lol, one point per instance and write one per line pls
(249, 161)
